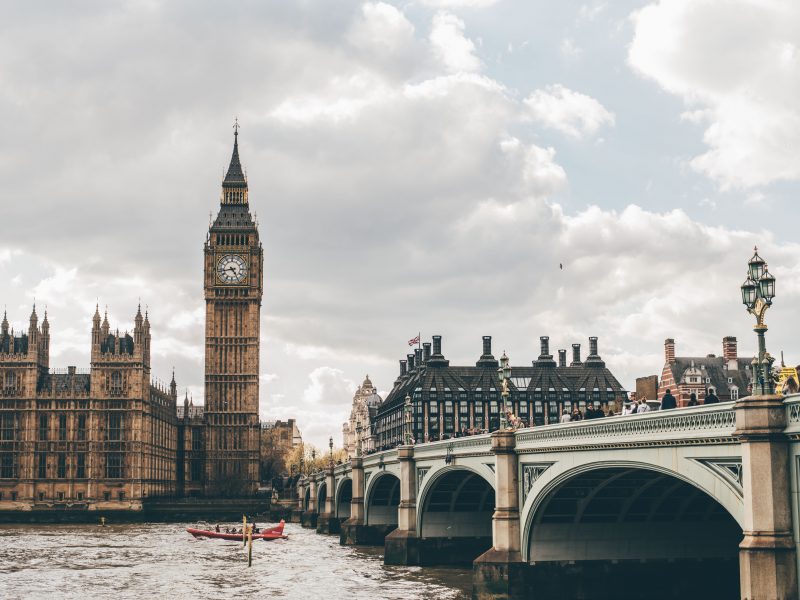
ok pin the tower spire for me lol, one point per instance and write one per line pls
(234, 186)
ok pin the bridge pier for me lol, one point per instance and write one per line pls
(499, 573)
(767, 564)
(401, 546)
(296, 515)
(327, 522)
(353, 530)
(309, 517)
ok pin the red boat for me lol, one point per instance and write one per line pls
(272, 533)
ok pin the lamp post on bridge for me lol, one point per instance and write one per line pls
(408, 416)
(758, 290)
(504, 373)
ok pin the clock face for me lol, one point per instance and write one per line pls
(231, 268)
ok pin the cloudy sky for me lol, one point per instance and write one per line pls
(415, 166)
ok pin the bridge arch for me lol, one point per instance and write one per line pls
(639, 518)
(322, 493)
(382, 499)
(454, 515)
(344, 495)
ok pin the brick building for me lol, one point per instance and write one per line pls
(728, 375)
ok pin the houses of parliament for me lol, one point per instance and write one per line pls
(109, 438)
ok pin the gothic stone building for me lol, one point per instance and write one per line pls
(366, 401)
(450, 400)
(102, 439)
(728, 375)
(109, 438)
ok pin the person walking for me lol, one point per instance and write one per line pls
(711, 398)
(668, 401)
(692, 399)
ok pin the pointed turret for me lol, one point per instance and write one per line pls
(173, 387)
(234, 186)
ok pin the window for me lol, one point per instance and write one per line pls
(42, 465)
(61, 471)
(8, 426)
(62, 427)
(114, 426)
(114, 465)
(43, 426)
(10, 381)
(7, 467)
(80, 466)
(81, 433)
(116, 383)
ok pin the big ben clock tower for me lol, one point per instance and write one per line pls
(233, 289)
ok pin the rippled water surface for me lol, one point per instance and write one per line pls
(163, 561)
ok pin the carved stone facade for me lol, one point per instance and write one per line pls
(102, 439)
(365, 406)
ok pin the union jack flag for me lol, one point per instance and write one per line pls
(413, 341)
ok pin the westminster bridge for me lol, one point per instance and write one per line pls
(556, 511)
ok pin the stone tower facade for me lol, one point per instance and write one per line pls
(233, 283)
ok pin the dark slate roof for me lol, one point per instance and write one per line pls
(235, 179)
(109, 345)
(542, 375)
(13, 344)
(66, 382)
(714, 368)
(233, 216)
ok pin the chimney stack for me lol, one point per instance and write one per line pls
(669, 350)
(403, 367)
(576, 355)
(729, 351)
(437, 345)
(545, 346)
(562, 358)
(426, 351)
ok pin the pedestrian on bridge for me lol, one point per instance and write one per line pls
(668, 401)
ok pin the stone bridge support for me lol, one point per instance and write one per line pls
(402, 545)
(309, 517)
(767, 564)
(327, 522)
(499, 573)
(353, 530)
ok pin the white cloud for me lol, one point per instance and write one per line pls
(570, 112)
(455, 51)
(735, 64)
(459, 3)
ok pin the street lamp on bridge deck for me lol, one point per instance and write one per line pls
(758, 290)
(407, 412)
(504, 373)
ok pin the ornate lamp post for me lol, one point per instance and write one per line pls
(758, 290)
(408, 416)
(504, 373)
(358, 438)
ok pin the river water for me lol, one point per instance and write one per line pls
(163, 561)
